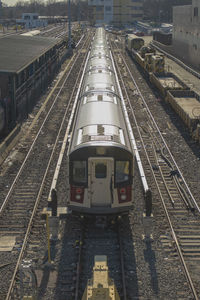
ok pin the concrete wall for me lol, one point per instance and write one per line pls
(186, 34)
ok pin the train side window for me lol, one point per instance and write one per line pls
(122, 171)
(79, 172)
(100, 170)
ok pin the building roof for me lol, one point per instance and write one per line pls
(17, 51)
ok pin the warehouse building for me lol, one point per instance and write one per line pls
(27, 66)
(186, 34)
(115, 12)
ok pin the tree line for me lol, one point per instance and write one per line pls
(49, 8)
(154, 10)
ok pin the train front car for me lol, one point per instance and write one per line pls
(100, 156)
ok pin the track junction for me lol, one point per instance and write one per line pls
(142, 266)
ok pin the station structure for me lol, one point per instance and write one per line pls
(27, 66)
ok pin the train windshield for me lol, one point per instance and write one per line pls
(79, 172)
(122, 171)
(100, 170)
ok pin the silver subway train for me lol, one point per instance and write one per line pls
(100, 157)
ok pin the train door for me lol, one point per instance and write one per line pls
(101, 181)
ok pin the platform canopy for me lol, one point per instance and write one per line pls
(17, 51)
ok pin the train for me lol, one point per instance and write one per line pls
(132, 41)
(171, 88)
(100, 157)
(144, 55)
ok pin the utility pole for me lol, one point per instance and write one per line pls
(79, 12)
(69, 25)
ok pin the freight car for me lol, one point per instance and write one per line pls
(185, 102)
(187, 105)
(167, 81)
(133, 42)
(100, 157)
(147, 59)
(153, 67)
(163, 38)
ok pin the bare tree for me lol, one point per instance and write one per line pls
(50, 8)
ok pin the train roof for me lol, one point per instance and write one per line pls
(134, 37)
(100, 118)
(18, 51)
(97, 123)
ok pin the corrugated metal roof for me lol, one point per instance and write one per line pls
(16, 52)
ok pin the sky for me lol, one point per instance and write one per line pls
(10, 2)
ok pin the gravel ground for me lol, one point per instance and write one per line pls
(153, 271)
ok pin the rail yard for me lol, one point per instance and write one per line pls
(100, 186)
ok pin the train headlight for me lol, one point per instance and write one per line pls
(78, 197)
(123, 197)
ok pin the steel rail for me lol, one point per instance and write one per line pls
(155, 124)
(37, 199)
(165, 208)
(144, 148)
(122, 263)
(78, 269)
(146, 188)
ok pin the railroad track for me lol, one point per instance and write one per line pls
(178, 204)
(82, 240)
(27, 194)
(57, 32)
(97, 240)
